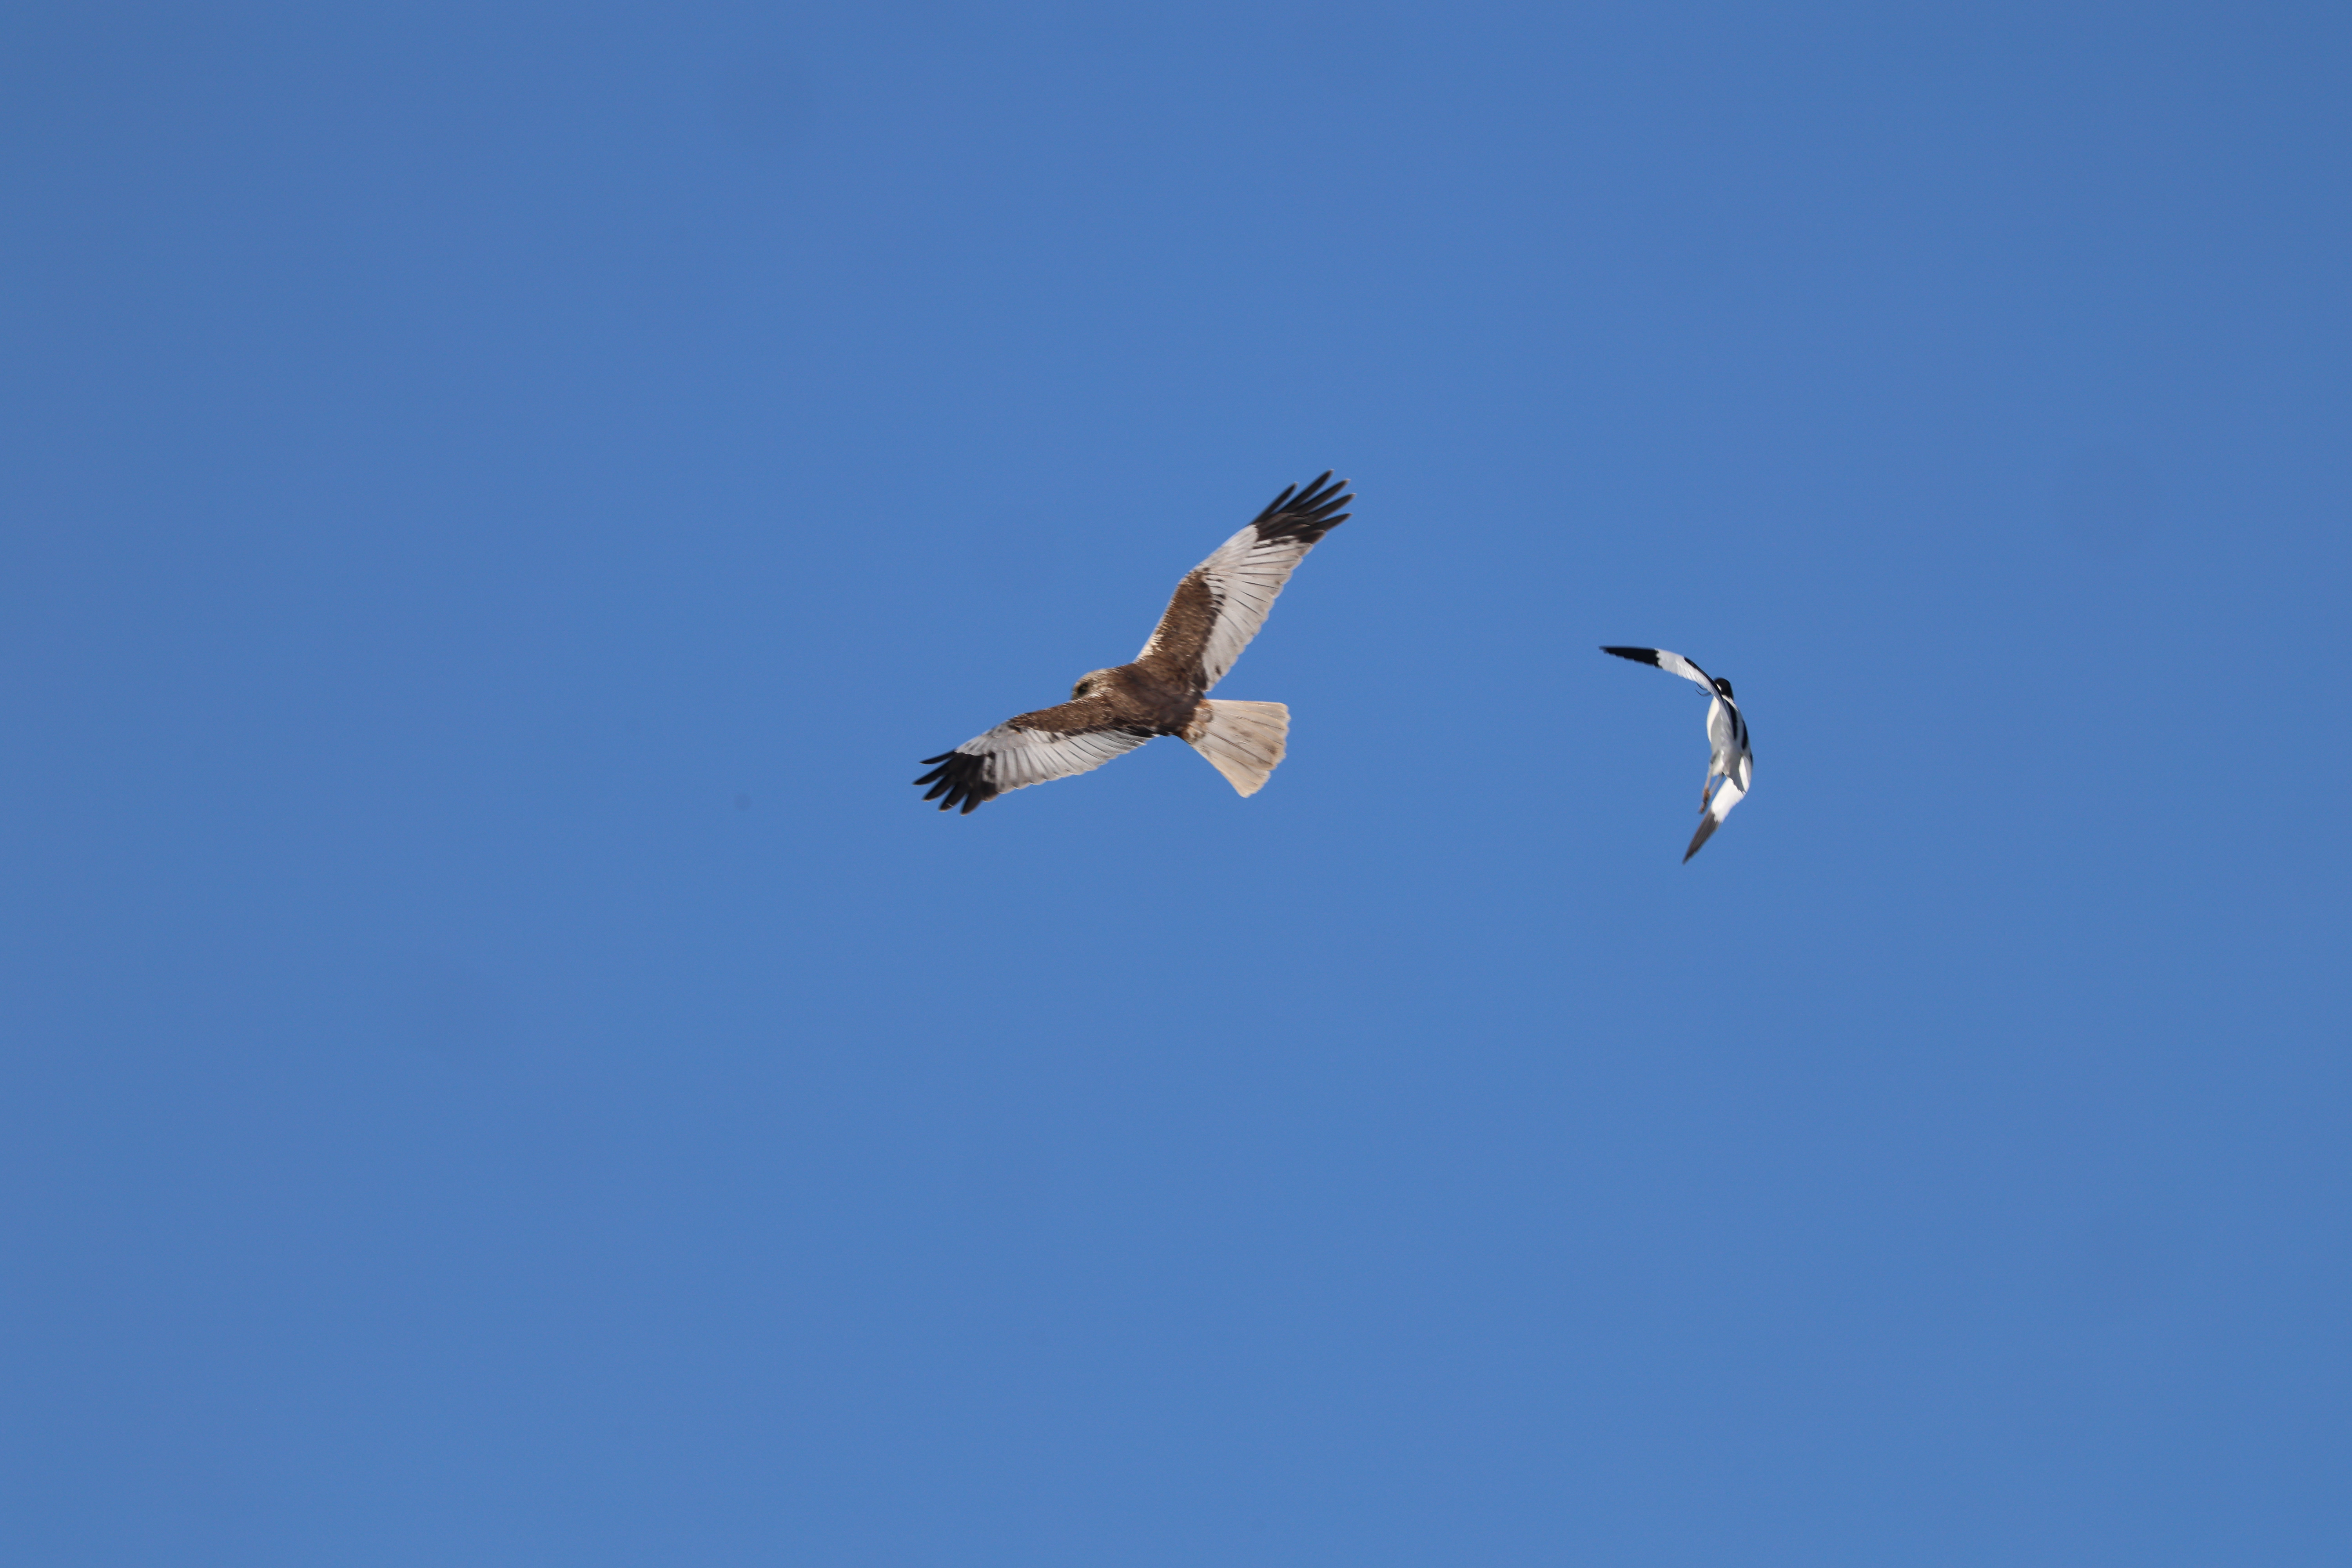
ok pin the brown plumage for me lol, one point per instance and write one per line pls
(1212, 616)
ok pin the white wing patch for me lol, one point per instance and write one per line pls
(1675, 664)
(1017, 758)
(1727, 795)
(1244, 578)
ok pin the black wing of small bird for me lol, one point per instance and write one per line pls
(1672, 663)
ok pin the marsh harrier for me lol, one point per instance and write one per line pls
(1217, 609)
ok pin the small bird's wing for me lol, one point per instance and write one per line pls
(1221, 603)
(1032, 747)
(1727, 794)
(1672, 663)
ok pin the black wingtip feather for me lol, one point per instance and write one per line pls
(962, 778)
(1306, 513)
(1648, 655)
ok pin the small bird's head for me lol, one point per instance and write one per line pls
(1722, 686)
(1091, 682)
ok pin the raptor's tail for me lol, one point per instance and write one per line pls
(1243, 741)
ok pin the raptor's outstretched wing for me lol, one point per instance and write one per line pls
(1030, 748)
(1221, 603)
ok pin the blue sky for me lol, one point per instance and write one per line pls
(500, 1068)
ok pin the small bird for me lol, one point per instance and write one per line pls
(1729, 757)
(1217, 609)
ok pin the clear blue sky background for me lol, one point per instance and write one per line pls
(500, 1068)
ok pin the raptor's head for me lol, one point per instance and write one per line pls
(1091, 682)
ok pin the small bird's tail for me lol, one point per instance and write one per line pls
(1243, 741)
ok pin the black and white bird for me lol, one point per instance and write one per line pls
(1217, 609)
(1728, 757)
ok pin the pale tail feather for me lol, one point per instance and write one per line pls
(1243, 741)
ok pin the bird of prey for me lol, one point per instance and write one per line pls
(1729, 755)
(1217, 609)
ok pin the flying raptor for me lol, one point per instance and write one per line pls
(1729, 755)
(1217, 609)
